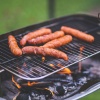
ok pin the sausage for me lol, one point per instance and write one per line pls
(44, 52)
(58, 42)
(40, 32)
(46, 38)
(78, 34)
(14, 46)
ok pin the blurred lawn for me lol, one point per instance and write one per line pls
(19, 13)
(15, 14)
(93, 96)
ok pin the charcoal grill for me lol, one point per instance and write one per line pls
(36, 69)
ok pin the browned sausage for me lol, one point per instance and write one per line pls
(78, 34)
(44, 52)
(14, 46)
(40, 32)
(58, 42)
(46, 38)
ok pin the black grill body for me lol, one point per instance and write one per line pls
(37, 69)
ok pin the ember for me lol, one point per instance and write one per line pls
(82, 48)
(57, 86)
(63, 83)
(18, 86)
(31, 84)
(65, 70)
(43, 59)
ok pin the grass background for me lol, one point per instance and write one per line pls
(15, 14)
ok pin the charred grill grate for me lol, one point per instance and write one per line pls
(32, 67)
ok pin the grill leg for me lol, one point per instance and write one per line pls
(51, 8)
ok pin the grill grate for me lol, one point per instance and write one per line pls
(32, 67)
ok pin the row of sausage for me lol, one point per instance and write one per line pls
(49, 42)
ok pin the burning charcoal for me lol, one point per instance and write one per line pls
(39, 97)
(69, 78)
(86, 73)
(57, 84)
(65, 88)
(40, 94)
(95, 71)
(59, 90)
(82, 81)
(71, 87)
(36, 96)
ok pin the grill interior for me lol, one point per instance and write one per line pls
(84, 83)
(36, 69)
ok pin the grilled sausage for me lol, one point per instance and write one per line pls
(58, 42)
(78, 34)
(46, 38)
(40, 32)
(44, 52)
(14, 46)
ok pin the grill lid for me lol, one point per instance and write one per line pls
(32, 67)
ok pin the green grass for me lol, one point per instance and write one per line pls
(64, 7)
(15, 14)
(93, 96)
(19, 13)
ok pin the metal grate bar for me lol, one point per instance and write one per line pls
(25, 72)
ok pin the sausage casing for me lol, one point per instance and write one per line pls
(14, 46)
(44, 52)
(78, 34)
(58, 42)
(40, 32)
(46, 38)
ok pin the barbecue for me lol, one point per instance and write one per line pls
(28, 77)
(33, 34)
(14, 46)
(44, 52)
(58, 42)
(46, 38)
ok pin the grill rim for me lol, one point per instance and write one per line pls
(86, 92)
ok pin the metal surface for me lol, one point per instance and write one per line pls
(2, 70)
(85, 93)
(32, 67)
